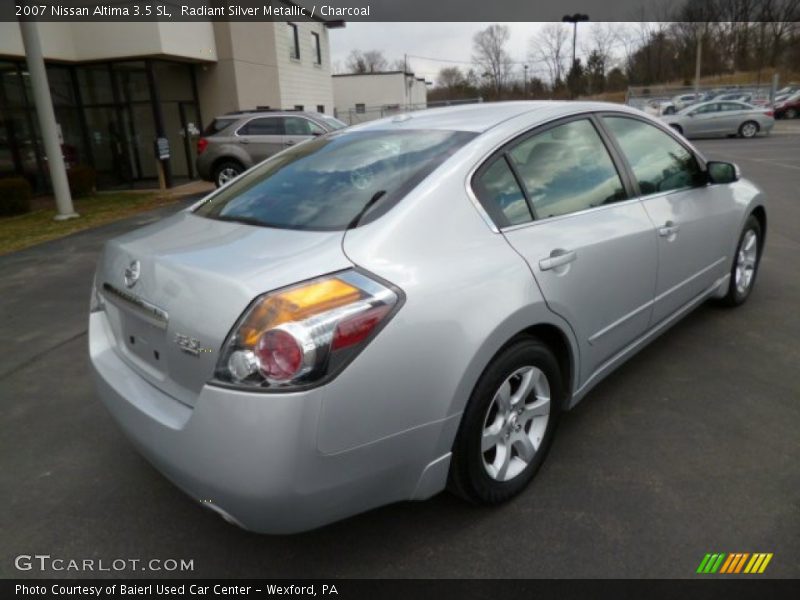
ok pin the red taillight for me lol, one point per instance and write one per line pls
(357, 328)
(279, 355)
(769, 113)
(202, 144)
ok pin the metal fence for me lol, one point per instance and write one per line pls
(353, 116)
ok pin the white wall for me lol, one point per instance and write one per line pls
(377, 90)
(303, 82)
(100, 41)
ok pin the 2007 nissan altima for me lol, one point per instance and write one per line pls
(407, 305)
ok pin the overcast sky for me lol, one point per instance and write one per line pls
(442, 41)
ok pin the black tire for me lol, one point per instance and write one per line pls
(468, 476)
(736, 296)
(223, 170)
(745, 130)
(677, 128)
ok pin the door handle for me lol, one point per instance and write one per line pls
(669, 229)
(558, 258)
(289, 143)
(244, 141)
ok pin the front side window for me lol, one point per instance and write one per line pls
(325, 183)
(262, 126)
(301, 126)
(294, 41)
(501, 195)
(566, 169)
(659, 162)
(361, 108)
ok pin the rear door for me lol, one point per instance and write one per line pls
(561, 202)
(261, 137)
(692, 219)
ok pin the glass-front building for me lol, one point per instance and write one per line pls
(109, 114)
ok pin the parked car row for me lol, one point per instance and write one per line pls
(674, 105)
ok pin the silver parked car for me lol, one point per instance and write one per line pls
(409, 304)
(233, 143)
(722, 118)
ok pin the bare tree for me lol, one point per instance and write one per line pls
(550, 47)
(490, 54)
(371, 61)
(450, 77)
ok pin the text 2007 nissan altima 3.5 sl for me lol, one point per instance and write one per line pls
(407, 305)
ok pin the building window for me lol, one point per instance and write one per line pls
(299, 107)
(294, 42)
(317, 48)
(361, 109)
(321, 108)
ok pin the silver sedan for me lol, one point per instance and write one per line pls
(408, 305)
(722, 118)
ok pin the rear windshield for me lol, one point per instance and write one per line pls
(328, 182)
(217, 125)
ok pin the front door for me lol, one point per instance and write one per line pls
(692, 219)
(592, 250)
(299, 129)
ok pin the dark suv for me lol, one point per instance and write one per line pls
(236, 141)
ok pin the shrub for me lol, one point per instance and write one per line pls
(15, 196)
(82, 180)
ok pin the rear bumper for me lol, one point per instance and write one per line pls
(254, 457)
(204, 163)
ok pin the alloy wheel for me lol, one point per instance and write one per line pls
(749, 130)
(515, 423)
(746, 259)
(226, 174)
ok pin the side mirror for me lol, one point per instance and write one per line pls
(722, 172)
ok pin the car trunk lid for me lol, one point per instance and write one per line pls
(194, 277)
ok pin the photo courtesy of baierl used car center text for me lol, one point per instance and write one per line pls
(372, 299)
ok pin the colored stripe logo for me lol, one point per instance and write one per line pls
(734, 563)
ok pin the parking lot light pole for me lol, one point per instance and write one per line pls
(47, 120)
(574, 19)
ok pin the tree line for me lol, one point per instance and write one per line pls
(755, 36)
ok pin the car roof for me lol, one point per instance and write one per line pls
(241, 114)
(480, 117)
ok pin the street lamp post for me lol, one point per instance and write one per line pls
(525, 80)
(574, 19)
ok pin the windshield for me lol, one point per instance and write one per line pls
(326, 183)
(333, 122)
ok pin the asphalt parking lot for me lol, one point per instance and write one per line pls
(692, 447)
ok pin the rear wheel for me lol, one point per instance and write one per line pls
(508, 424)
(745, 264)
(748, 129)
(225, 171)
(791, 113)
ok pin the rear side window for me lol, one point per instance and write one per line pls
(325, 183)
(659, 162)
(262, 126)
(218, 125)
(501, 195)
(567, 169)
